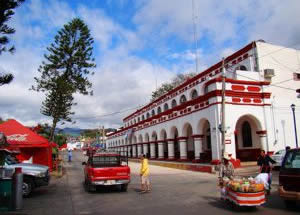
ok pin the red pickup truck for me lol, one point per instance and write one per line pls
(106, 169)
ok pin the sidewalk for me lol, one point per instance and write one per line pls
(246, 169)
(180, 165)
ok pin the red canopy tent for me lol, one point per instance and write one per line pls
(28, 142)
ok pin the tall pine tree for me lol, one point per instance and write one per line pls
(6, 11)
(65, 71)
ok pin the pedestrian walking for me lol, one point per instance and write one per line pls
(144, 173)
(265, 162)
(69, 155)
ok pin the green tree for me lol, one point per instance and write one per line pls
(65, 71)
(166, 87)
(6, 11)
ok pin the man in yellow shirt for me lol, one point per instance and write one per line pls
(144, 173)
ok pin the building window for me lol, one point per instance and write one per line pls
(153, 112)
(174, 103)
(241, 67)
(139, 119)
(205, 89)
(148, 115)
(166, 106)
(143, 117)
(182, 99)
(194, 94)
(158, 110)
(208, 139)
(246, 134)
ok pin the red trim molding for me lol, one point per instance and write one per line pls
(261, 132)
(198, 136)
(182, 138)
(213, 70)
(233, 81)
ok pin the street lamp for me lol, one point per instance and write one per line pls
(295, 127)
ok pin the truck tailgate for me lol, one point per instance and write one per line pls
(111, 173)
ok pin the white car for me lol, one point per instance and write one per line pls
(278, 157)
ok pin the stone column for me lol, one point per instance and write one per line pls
(160, 150)
(183, 148)
(171, 153)
(145, 149)
(198, 141)
(133, 151)
(139, 150)
(129, 151)
(152, 150)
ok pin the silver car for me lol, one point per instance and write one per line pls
(34, 175)
(278, 157)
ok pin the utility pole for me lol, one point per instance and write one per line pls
(295, 127)
(223, 128)
(103, 137)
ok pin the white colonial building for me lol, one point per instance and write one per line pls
(184, 124)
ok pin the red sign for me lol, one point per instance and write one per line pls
(227, 141)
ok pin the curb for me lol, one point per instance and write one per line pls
(195, 168)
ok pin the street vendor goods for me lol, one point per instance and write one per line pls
(243, 191)
(245, 185)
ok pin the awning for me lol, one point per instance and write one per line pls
(19, 136)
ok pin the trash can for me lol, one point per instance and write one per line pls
(6, 194)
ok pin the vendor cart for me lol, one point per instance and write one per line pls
(245, 199)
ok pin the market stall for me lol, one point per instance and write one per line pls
(33, 147)
(243, 192)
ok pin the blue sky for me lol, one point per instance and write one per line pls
(138, 43)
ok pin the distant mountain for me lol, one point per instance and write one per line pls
(77, 131)
(72, 131)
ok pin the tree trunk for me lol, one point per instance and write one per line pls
(51, 138)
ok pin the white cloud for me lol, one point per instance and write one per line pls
(119, 84)
(123, 80)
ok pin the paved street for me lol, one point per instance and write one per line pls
(174, 192)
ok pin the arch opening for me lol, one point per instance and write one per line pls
(247, 141)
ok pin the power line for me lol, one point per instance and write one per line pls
(229, 67)
(281, 82)
(286, 88)
(110, 114)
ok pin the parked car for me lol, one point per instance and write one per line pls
(34, 175)
(289, 177)
(106, 169)
(278, 157)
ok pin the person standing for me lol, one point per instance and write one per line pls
(144, 173)
(69, 155)
(265, 162)
(227, 168)
(226, 171)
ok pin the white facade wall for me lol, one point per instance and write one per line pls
(270, 119)
(284, 61)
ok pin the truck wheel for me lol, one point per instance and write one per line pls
(89, 187)
(124, 187)
(28, 186)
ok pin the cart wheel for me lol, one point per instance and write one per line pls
(232, 205)
(290, 203)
